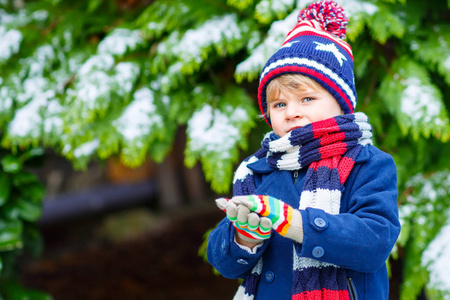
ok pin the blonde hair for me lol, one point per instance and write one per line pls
(292, 82)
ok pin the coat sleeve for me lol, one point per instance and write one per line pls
(226, 256)
(361, 238)
(222, 252)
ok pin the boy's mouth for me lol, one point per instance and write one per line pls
(295, 127)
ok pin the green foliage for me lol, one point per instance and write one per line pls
(424, 210)
(216, 131)
(21, 196)
(433, 47)
(270, 10)
(417, 103)
(90, 89)
(14, 291)
(385, 24)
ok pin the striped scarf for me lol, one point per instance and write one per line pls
(329, 149)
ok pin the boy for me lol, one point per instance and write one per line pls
(314, 213)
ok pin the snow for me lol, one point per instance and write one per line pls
(10, 44)
(5, 18)
(74, 63)
(437, 259)
(52, 121)
(420, 102)
(27, 120)
(86, 149)
(165, 81)
(211, 130)
(40, 15)
(301, 4)
(414, 46)
(267, 6)
(96, 62)
(98, 77)
(139, 117)
(92, 87)
(119, 41)
(5, 99)
(278, 5)
(41, 57)
(212, 32)
(446, 63)
(155, 26)
(275, 38)
(430, 193)
(126, 74)
(442, 42)
(67, 40)
(38, 96)
(35, 87)
(353, 7)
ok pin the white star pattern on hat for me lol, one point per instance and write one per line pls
(331, 48)
(287, 45)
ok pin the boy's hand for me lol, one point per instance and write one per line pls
(250, 227)
(286, 220)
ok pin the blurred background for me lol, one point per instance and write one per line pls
(122, 120)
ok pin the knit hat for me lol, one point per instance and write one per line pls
(314, 48)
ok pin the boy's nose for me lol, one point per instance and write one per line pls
(293, 112)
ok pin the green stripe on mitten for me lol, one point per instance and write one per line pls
(286, 220)
(249, 226)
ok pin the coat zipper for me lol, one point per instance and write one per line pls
(351, 290)
(295, 177)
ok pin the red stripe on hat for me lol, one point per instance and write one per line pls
(345, 166)
(310, 30)
(313, 33)
(321, 294)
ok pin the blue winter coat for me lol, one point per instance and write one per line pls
(359, 239)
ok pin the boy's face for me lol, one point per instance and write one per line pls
(292, 110)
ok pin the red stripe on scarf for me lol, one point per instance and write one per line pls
(324, 127)
(345, 166)
(327, 139)
(322, 295)
(336, 149)
(331, 163)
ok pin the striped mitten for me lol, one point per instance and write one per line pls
(286, 220)
(249, 226)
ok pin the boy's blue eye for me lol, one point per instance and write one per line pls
(280, 105)
(307, 99)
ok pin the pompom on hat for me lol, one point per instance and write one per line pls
(315, 48)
